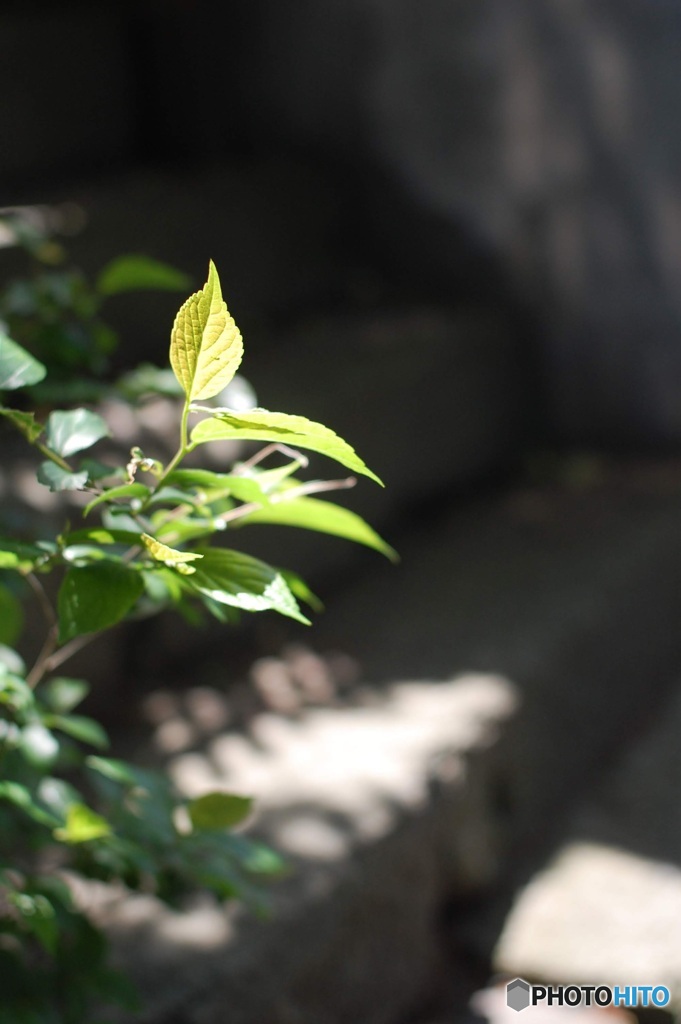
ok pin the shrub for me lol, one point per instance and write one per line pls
(65, 808)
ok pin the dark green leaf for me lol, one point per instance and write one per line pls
(117, 771)
(38, 916)
(23, 556)
(11, 617)
(233, 578)
(134, 490)
(70, 432)
(300, 589)
(136, 272)
(23, 421)
(100, 535)
(97, 471)
(21, 797)
(17, 366)
(80, 728)
(58, 479)
(219, 810)
(93, 597)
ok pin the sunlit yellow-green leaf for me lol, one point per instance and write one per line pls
(205, 344)
(311, 514)
(296, 431)
(82, 825)
(219, 810)
(169, 556)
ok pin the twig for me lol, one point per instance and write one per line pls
(270, 449)
(313, 487)
(50, 642)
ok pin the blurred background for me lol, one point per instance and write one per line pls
(450, 229)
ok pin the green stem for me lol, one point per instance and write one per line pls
(52, 456)
(177, 457)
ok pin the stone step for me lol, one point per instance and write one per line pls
(522, 639)
(606, 907)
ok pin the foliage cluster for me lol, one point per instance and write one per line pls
(65, 807)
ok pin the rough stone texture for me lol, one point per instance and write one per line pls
(607, 906)
(270, 227)
(571, 595)
(542, 130)
(536, 135)
(430, 399)
(383, 811)
(565, 602)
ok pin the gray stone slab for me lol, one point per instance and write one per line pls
(382, 812)
(564, 602)
(607, 905)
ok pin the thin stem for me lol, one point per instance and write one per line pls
(52, 456)
(316, 487)
(43, 600)
(269, 449)
(177, 457)
(313, 487)
(68, 650)
(50, 642)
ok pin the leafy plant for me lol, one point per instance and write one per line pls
(64, 808)
(56, 312)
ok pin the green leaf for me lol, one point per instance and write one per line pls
(25, 422)
(117, 771)
(169, 556)
(136, 273)
(56, 795)
(82, 825)
(63, 694)
(97, 470)
(15, 691)
(134, 490)
(10, 661)
(58, 479)
(21, 797)
(11, 617)
(205, 344)
(38, 916)
(70, 432)
(219, 810)
(17, 366)
(243, 488)
(149, 380)
(80, 728)
(100, 535)
(93, 597)
(232, 578)
(296, 431)
(23, 556)
(300, 589)
(324, 516)
(38, 744)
